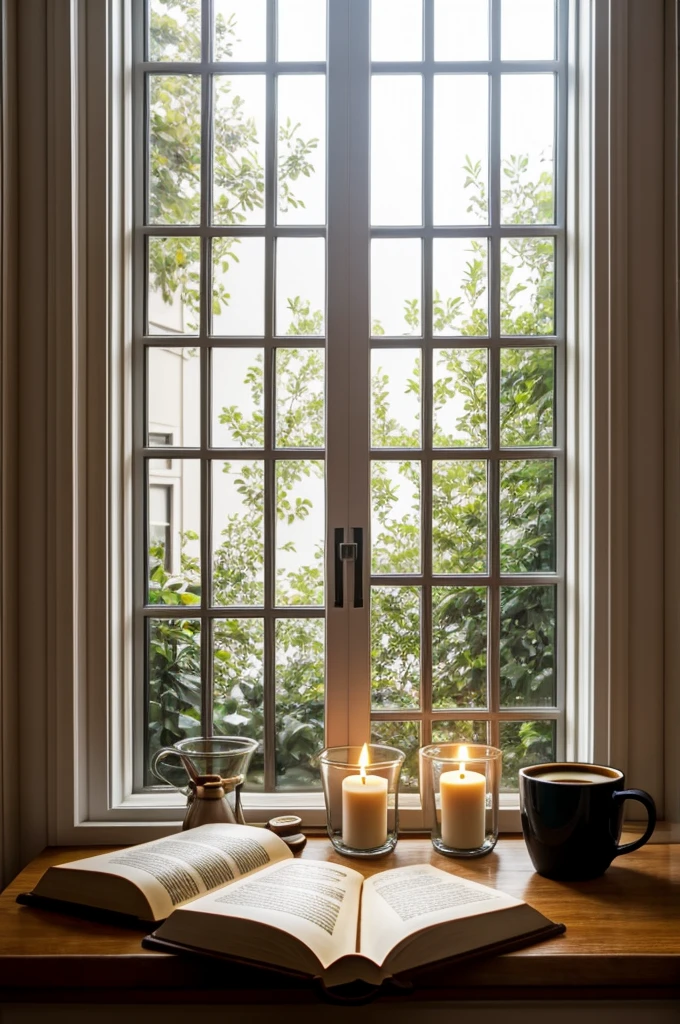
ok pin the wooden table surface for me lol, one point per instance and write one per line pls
(622, 939)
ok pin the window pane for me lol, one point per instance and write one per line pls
(240, 30)
(396, 158)
(239, 149)
(238, 287)
(174, 567)
(527, 396)
(527, 647)
(238, 533)
(461, 731)
(302, 30)
(300, 645)
(174, 694)
(300, 389)
(527, 140)
(173, 397)
(301, 148)
(461, 149)
(459, 384)
(300, 286)
(300, 511)
(527, 286)
(395, 521)
(396, 30)
(459, 516)
(396, 287)
(395, 398)
(174, 30)
(238, 686)
(395, 648)
(459, 647)
(527, 29)
(527, 515)
(524, 744)
(461, 30)
(404, 736)
(238, 397)
(173, 296)
(459, 287)
(174, 149)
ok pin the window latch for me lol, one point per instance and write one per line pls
(349, 552)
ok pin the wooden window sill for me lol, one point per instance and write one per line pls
(622, 940)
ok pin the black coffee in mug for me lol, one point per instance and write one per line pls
(572, 816)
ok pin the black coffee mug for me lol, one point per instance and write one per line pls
(572, 816)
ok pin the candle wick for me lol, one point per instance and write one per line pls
(462, 775)
(363, 779)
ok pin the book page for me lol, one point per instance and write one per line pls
(316, 902)
(182, 867)
(400, 903)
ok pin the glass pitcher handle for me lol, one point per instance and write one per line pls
(156, 767)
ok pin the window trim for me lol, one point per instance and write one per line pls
(87, 687)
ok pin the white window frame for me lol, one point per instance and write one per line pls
(82, 741)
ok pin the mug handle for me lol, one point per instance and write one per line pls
(156, 766)
(648, 802)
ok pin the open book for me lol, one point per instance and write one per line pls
(237, 891)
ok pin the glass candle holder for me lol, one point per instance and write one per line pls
(460, 785)
(362, 800)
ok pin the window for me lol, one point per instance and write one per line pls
(451, 406)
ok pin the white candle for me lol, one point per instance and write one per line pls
(463, 807)
(364, 808)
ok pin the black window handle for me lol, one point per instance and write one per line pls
(339, 568)
(358, 538)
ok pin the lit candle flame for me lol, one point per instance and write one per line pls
(363, 763)
(463, 758)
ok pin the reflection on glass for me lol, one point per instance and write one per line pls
(238, 533)
(459, 386)
(461, 30)
(395, 517)
(527, 515)
(300, 389)
(240, 30)
(395, 648)
(459, 516)
(300, 532)
(396, 153)
(301, 34)
(174, 30)
(404, 736)
(527, 396)
(524, 744)
(395, 398)
(238, 686)
(527, 141)
(299, 671)
(460, 731)
(174, 149)
(527, 286)
(173, 397)
(459, 647)
(174, 673)
(238, 149)
(301, 149)
(461, 149)
(527, 29)
(396, 30)
(527, 647)
(238, 286)
(237, 398)
(173, 525)
(300, 286)
(396, 287)
(173, 304)
(459, 286)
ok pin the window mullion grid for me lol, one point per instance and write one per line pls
(207, 724)
(269, 694)
(493, 389)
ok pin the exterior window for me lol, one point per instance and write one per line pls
(381, 354)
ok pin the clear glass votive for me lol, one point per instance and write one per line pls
(362, 812)
(460, 783)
